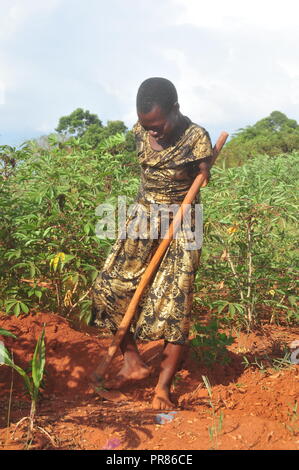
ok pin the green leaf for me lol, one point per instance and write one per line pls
(38, 293)
(39, 360)
(4, 332)
(7, 360)
(93, 275)
(293, 300)
(231, 309)
(24, 307)
(17, 309)
(9, 305)
(86, 228)
(222, 307)
(32, 270)
(196, 341)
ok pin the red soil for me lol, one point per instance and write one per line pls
(251, 409)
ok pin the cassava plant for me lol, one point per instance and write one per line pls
(250, 246)
(49, 251)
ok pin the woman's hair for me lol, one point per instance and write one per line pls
(156, 91)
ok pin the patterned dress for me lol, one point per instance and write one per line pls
(165, 308)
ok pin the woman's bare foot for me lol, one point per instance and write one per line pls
(133, 369)
(161, 400)
(127, 374)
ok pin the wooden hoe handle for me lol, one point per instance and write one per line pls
(155, 261)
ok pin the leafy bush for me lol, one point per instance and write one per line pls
(49, 251)
(250, 251)
(209, 345)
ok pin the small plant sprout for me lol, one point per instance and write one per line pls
(217, 425)
(32, 383)
(209, 345)
(293, 427)
(265, 363)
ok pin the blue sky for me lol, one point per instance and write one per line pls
(232, 62)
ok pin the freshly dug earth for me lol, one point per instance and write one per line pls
(253, 407)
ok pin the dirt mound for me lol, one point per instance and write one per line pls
(253, 402)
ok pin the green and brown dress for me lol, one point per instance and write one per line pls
(165, 308)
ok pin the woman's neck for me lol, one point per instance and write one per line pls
(182, 124)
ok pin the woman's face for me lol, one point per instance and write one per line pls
(160, 126)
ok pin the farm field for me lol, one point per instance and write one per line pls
(249, 406)
(237, 387)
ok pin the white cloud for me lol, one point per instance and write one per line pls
(232, 62)
(195, 87)
(112, 89)
(232, 85)
(45, 127)
(236, 62)
(272, 15)
(130, 117)
(2, 93)
(15, 13)
(290, 67)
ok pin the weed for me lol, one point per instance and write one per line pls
(269, 363)
(240, 385)
(293, 427)
(9, 403)
(176, 381)
(260, 365)
(209, 345)
(283, 362)
(217, 425)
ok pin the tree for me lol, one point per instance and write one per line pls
(95, 134)
(276, 122)
(273, 135)
(114, 127)
(90, 130)
(78, 122)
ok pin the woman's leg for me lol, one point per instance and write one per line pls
(172, 355)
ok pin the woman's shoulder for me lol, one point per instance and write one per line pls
(195, 131)
(140, 136)
(137, 129)
(198, 141)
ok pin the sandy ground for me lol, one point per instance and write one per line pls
(251, 408)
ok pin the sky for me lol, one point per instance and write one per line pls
(232, 62)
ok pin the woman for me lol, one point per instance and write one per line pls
(171, 151)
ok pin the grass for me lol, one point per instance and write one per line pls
(217, 425)
(266, 363)
(9, 403)
(293, 427)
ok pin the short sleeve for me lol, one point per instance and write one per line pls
(202, 147)
(136, 129)
(138, 132)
